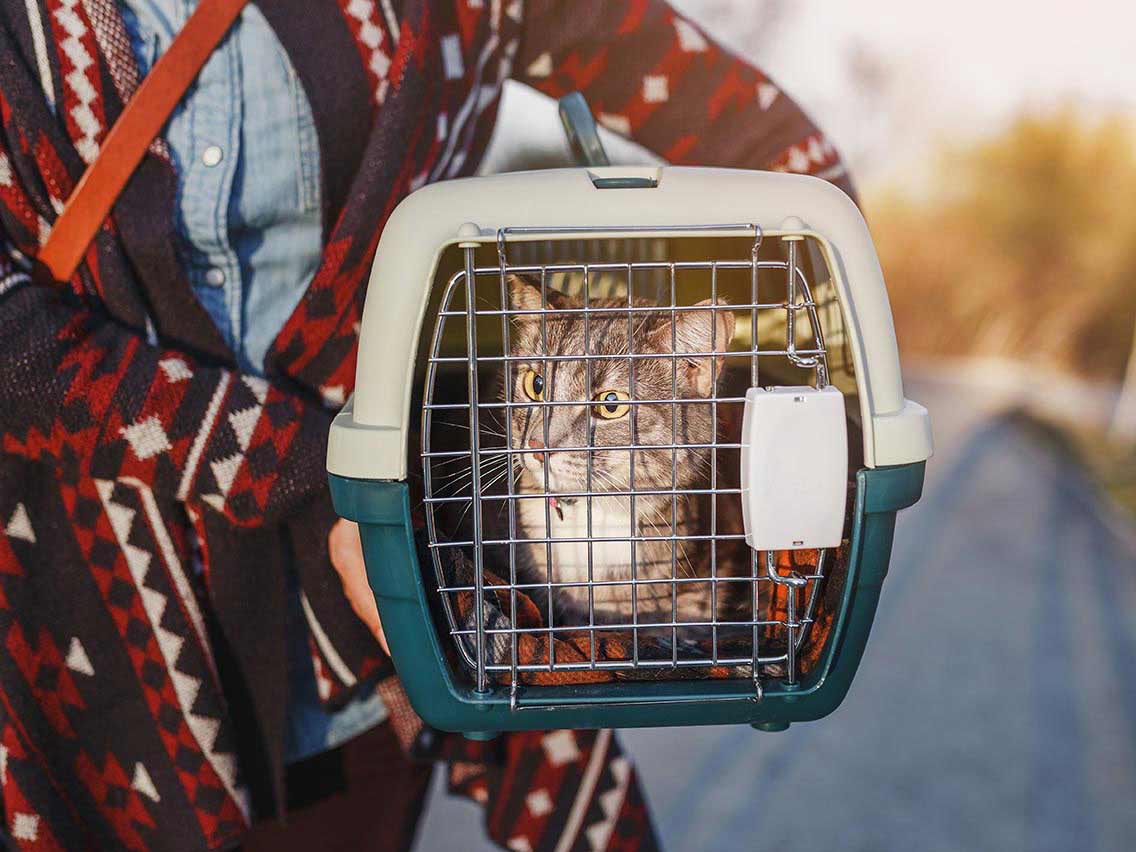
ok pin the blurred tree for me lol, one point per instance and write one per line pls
(1024, 246)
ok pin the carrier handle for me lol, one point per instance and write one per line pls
(580, 128)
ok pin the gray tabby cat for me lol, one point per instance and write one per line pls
(605, 411)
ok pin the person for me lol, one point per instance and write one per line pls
(191, 649)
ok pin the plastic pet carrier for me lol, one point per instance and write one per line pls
(626, 447)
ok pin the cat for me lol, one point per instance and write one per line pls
(613, 419)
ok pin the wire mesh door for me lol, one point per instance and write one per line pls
(580, 480)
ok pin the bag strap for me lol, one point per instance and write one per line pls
(127, 142)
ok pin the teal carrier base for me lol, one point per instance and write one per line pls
(446, 700)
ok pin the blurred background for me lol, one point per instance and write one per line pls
(995, 152)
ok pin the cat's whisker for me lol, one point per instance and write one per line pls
(452, 489)
(483, 429)
(461, 517)
(449, 476)
(459, 478)
(443, 462)
(492, 461)
(497, 477)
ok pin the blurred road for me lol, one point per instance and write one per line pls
(996, 705)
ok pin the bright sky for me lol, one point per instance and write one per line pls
(954, 68)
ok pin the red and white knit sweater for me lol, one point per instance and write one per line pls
(149, 490)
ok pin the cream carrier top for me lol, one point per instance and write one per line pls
(368, 437)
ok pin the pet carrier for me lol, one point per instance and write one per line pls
(626, 447)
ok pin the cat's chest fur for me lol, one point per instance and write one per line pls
(610, 519)
(608, 565)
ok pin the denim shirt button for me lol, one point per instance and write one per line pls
(212, 155)
(215, 277)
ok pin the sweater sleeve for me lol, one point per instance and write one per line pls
(654, 76)
(83, 392)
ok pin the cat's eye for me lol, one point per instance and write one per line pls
(611, 404)
(533, 383)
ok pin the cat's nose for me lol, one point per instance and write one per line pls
(537, 445)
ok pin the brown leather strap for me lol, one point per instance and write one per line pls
(127, 141)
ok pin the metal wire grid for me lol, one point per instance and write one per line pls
(460, 302)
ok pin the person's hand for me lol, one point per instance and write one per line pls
(346, 551)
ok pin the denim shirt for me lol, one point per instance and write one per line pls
(244, 145)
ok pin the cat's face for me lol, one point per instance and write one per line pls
(603, 410)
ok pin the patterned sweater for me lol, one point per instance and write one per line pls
(149, 490)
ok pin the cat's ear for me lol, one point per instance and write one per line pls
(525, 295)
(701, 331)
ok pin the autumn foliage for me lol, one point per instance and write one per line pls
(1021, 245)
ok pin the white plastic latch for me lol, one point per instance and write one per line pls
(794, 467)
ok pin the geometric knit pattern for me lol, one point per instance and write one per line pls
(82, 106)
(373, 42)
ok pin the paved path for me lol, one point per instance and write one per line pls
(996, 705)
